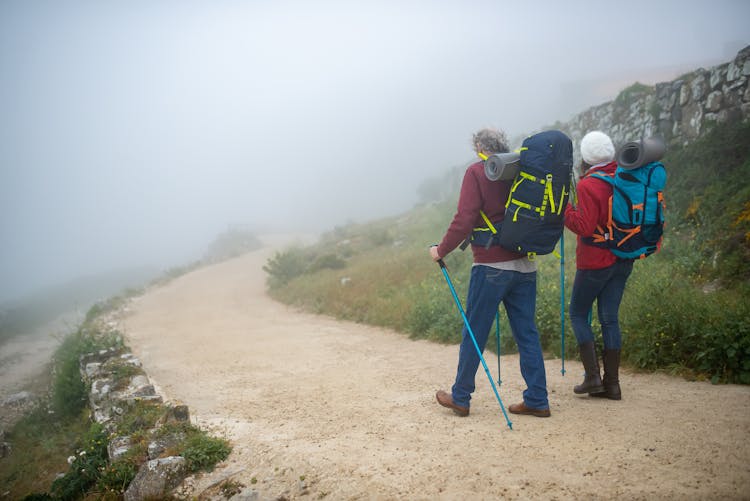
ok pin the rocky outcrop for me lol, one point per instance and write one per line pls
(155, 478)
(679, 111)
(117, 383)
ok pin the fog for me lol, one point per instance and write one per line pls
(131, 133)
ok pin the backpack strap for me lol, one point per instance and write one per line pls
(488, 222)
(603, 236)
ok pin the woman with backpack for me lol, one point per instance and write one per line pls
(600, 275)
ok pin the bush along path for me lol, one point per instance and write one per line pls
(136, 447)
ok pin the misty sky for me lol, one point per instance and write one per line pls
(132, 132)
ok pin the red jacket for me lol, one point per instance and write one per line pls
(592, 210)
(478, 192)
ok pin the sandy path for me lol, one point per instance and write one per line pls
(350, 409)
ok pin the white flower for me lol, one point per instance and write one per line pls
(71, 459)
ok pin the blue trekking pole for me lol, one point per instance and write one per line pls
(497, 335)
(562, 301)
(474, 340)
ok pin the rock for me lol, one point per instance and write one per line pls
(158, 446)
(92, 369)
(100, 390)
(698, 88)
(102, 416)
(140, 389)
(18, 399)
(175, 414)
(131, 359)
(117, 447)
(718, 74)
(733, 72)
(99, 356)
(156, 478)
(684, 95)
(714, 101)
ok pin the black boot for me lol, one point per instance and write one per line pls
(592, 382)
(611, 380)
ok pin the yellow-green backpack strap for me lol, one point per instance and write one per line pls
(488, 222)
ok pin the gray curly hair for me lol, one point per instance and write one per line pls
(490, 140)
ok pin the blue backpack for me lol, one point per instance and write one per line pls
(636, 211)
(535, 210)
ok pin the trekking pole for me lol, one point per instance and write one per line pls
(474, 340)
(497, 335)
(562, 301)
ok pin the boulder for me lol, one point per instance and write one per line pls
(156, 478)
(714, 101)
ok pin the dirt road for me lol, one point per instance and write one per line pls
(319, 408)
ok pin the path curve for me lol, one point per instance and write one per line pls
(319, 408)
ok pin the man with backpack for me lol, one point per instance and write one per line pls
(600, 274)
(498, 275)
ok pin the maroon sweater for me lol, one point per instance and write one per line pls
(592, 210)
(478, 193)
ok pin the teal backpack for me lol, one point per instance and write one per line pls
(636, 211)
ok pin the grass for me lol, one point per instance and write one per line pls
(685, 308)
(60, 427)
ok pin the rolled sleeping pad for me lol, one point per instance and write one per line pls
(501, 166)
(639, 153)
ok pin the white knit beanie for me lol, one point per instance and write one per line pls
(597, 148)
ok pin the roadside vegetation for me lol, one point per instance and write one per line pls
(686, 309)
(60, 453)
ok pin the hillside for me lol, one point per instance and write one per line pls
(379, 273)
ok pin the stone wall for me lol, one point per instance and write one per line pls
(679, 111)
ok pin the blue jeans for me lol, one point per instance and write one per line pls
(606, 286)
(517, 291)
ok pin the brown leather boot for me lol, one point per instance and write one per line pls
(611, 380)
(592, 382)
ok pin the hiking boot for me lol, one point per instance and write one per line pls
(446, 400)
(611, 379)
(592, 382)
(523, 409)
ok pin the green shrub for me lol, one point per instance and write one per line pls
(285, 266)
(68, 390)
(326, 261)
(115, 477)
(202, 452)
(90, 460)
(232, 243)
(630, 93)
(667, 321)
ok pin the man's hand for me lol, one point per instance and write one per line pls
(434, 253)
